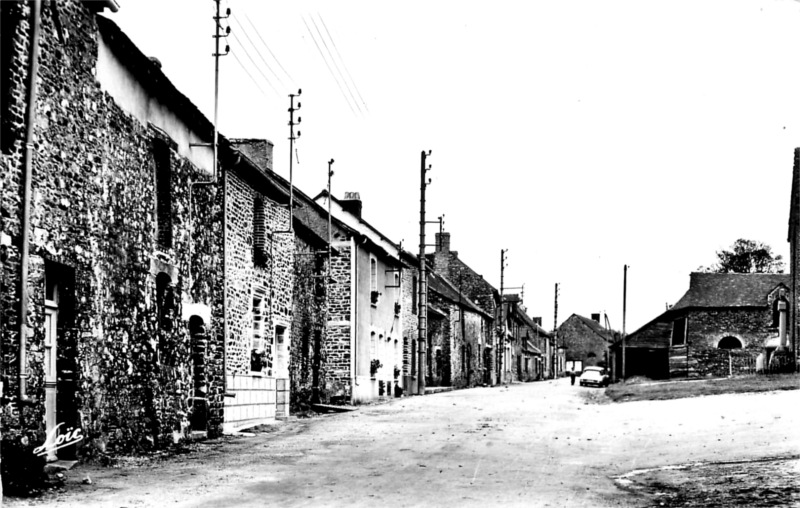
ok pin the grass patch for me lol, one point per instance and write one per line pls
(665, 390)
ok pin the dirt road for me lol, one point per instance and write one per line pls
(535, 444)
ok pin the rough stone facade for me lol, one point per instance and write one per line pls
(259, 278)
(704, 331)
(128, 263)
(447, 263)
(585, 340)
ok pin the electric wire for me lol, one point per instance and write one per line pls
(253, 46)
(335, 64)
(358, 92)
(321, 54)
(247, 53)
(268, 48)
(244, 68)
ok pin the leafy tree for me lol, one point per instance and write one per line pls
(746, 256)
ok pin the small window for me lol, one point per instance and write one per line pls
(258, 341)
(163, 177)
(259, 233)
(414, 291)
(373, 274)
(679, 332)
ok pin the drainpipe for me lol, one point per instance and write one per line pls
(33, 71)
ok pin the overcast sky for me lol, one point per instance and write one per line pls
(580, 135)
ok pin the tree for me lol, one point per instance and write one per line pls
(746, 256)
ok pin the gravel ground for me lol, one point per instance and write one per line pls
(545, 444)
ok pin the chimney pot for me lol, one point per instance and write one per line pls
(352, 203)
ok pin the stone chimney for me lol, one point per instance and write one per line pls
(352, 203)
(441, 256)
(257, 150)
(442, 242)
(596, 317)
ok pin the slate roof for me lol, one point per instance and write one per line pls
(719, 290)
(445, 288)
(596, 327)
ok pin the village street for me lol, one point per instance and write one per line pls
(533, 444)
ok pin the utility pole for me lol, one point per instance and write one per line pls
(217, 54)
(555, 334)
(330, 238)
(292, 137)
(422, 300)
(501, 344)
(624, 303)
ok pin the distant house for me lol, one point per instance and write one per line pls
(585, 341)
(527, 343)
(722, 323)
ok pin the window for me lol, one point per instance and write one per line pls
(414, 291)
(259, 233)
(679, 332)
(257, 341)
(281, 364)
(163, 169)
(373, 281)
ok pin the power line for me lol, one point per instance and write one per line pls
(266, 46)
(251, 76)
(252, 44)
(342, 60)
(328, 66)
(334, 63)
(254, 64)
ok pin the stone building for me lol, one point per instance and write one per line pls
(449, 265)
(308, 382)
(111, 301)
(719, 327)
(161, 296)
(458, 330)
(585, 341)
(259, 270)
(527, 343)
(365, 320)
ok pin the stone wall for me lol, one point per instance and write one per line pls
(337, 349)
(94, 228)
(706, 328)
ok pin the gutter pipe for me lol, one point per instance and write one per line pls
(33, 71)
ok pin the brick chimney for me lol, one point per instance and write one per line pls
(257, 150)
(352, 203)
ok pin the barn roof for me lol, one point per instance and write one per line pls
(716, 290)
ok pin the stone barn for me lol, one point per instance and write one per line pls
(719, 327)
